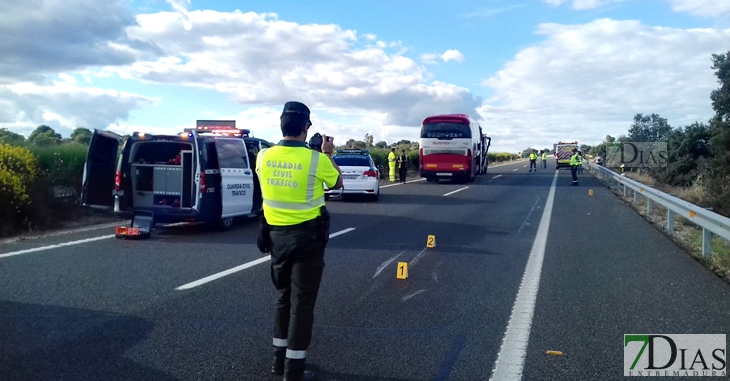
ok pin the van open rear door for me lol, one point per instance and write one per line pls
(100, 170)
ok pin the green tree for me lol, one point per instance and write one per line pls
(381, 144)
(369, 140)
(44, 136)
(649, 128)
(10, 137)
(718, 183)
(81, 135)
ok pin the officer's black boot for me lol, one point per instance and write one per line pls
(279, 357)
(295, 371)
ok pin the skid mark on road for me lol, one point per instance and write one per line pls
(529, 214)
(386, 263)
(412, 295)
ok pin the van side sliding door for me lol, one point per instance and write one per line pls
(236, 177)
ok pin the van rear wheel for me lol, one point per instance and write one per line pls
(225, 223)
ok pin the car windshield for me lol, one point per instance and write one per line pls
(352, 161)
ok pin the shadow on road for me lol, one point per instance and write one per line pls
(58, 343)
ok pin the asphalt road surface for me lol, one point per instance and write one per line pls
(193, 304)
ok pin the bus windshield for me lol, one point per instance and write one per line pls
(446, 130)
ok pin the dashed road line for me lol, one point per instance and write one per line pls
(395, 185)
(458, 190)
(57, 246)
(244, 266)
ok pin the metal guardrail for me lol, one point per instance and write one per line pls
(710, 222)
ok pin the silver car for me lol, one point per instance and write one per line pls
(359, 173)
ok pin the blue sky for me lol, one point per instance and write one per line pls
(533, 72)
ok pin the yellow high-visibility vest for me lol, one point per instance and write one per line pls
(292, 177)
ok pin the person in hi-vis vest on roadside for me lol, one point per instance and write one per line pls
(544, 160)
(391, 164)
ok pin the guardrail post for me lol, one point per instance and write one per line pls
(649, 206)
(626, 191)
(670, 220)
(706, 243)
(636, 197)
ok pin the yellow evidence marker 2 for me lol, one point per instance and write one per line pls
(402, 270)
(431, 241)
(590, 192)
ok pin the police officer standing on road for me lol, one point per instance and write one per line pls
(575, 161)
(295, 230)
(533, 158)
(403, 166)
(544, 160)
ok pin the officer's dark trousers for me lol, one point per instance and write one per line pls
(533, 165)
(403, 172)
(574, 172)
(297, 262)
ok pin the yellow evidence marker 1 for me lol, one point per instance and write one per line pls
(402, 270)
(590, 192)
(431, 241)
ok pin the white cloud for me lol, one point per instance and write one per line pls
(429, 58)
(42, 37)
(583, 4)
(63, 106)
(703, 8)
(586, 81)
(260, 60)
(452, 55)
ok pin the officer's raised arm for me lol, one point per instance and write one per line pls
(328, 147)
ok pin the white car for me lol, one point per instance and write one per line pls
(359, 174)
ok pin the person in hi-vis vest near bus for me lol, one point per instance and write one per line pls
(544, 160)
(391, 164)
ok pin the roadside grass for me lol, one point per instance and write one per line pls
(686, 234)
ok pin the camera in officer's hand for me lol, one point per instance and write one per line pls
(315, 142)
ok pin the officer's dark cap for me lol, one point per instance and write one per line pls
(296, 107)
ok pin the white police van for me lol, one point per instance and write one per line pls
(205, 174)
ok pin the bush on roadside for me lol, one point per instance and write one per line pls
(18, 175)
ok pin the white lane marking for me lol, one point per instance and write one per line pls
(511, 357)
(64, 232)
(341, 232)
(496, 177)
(458, 190)
(395, 185)
(386, 263)
(244, 266)
(49, 247)
(412, 295)
(515, 170)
